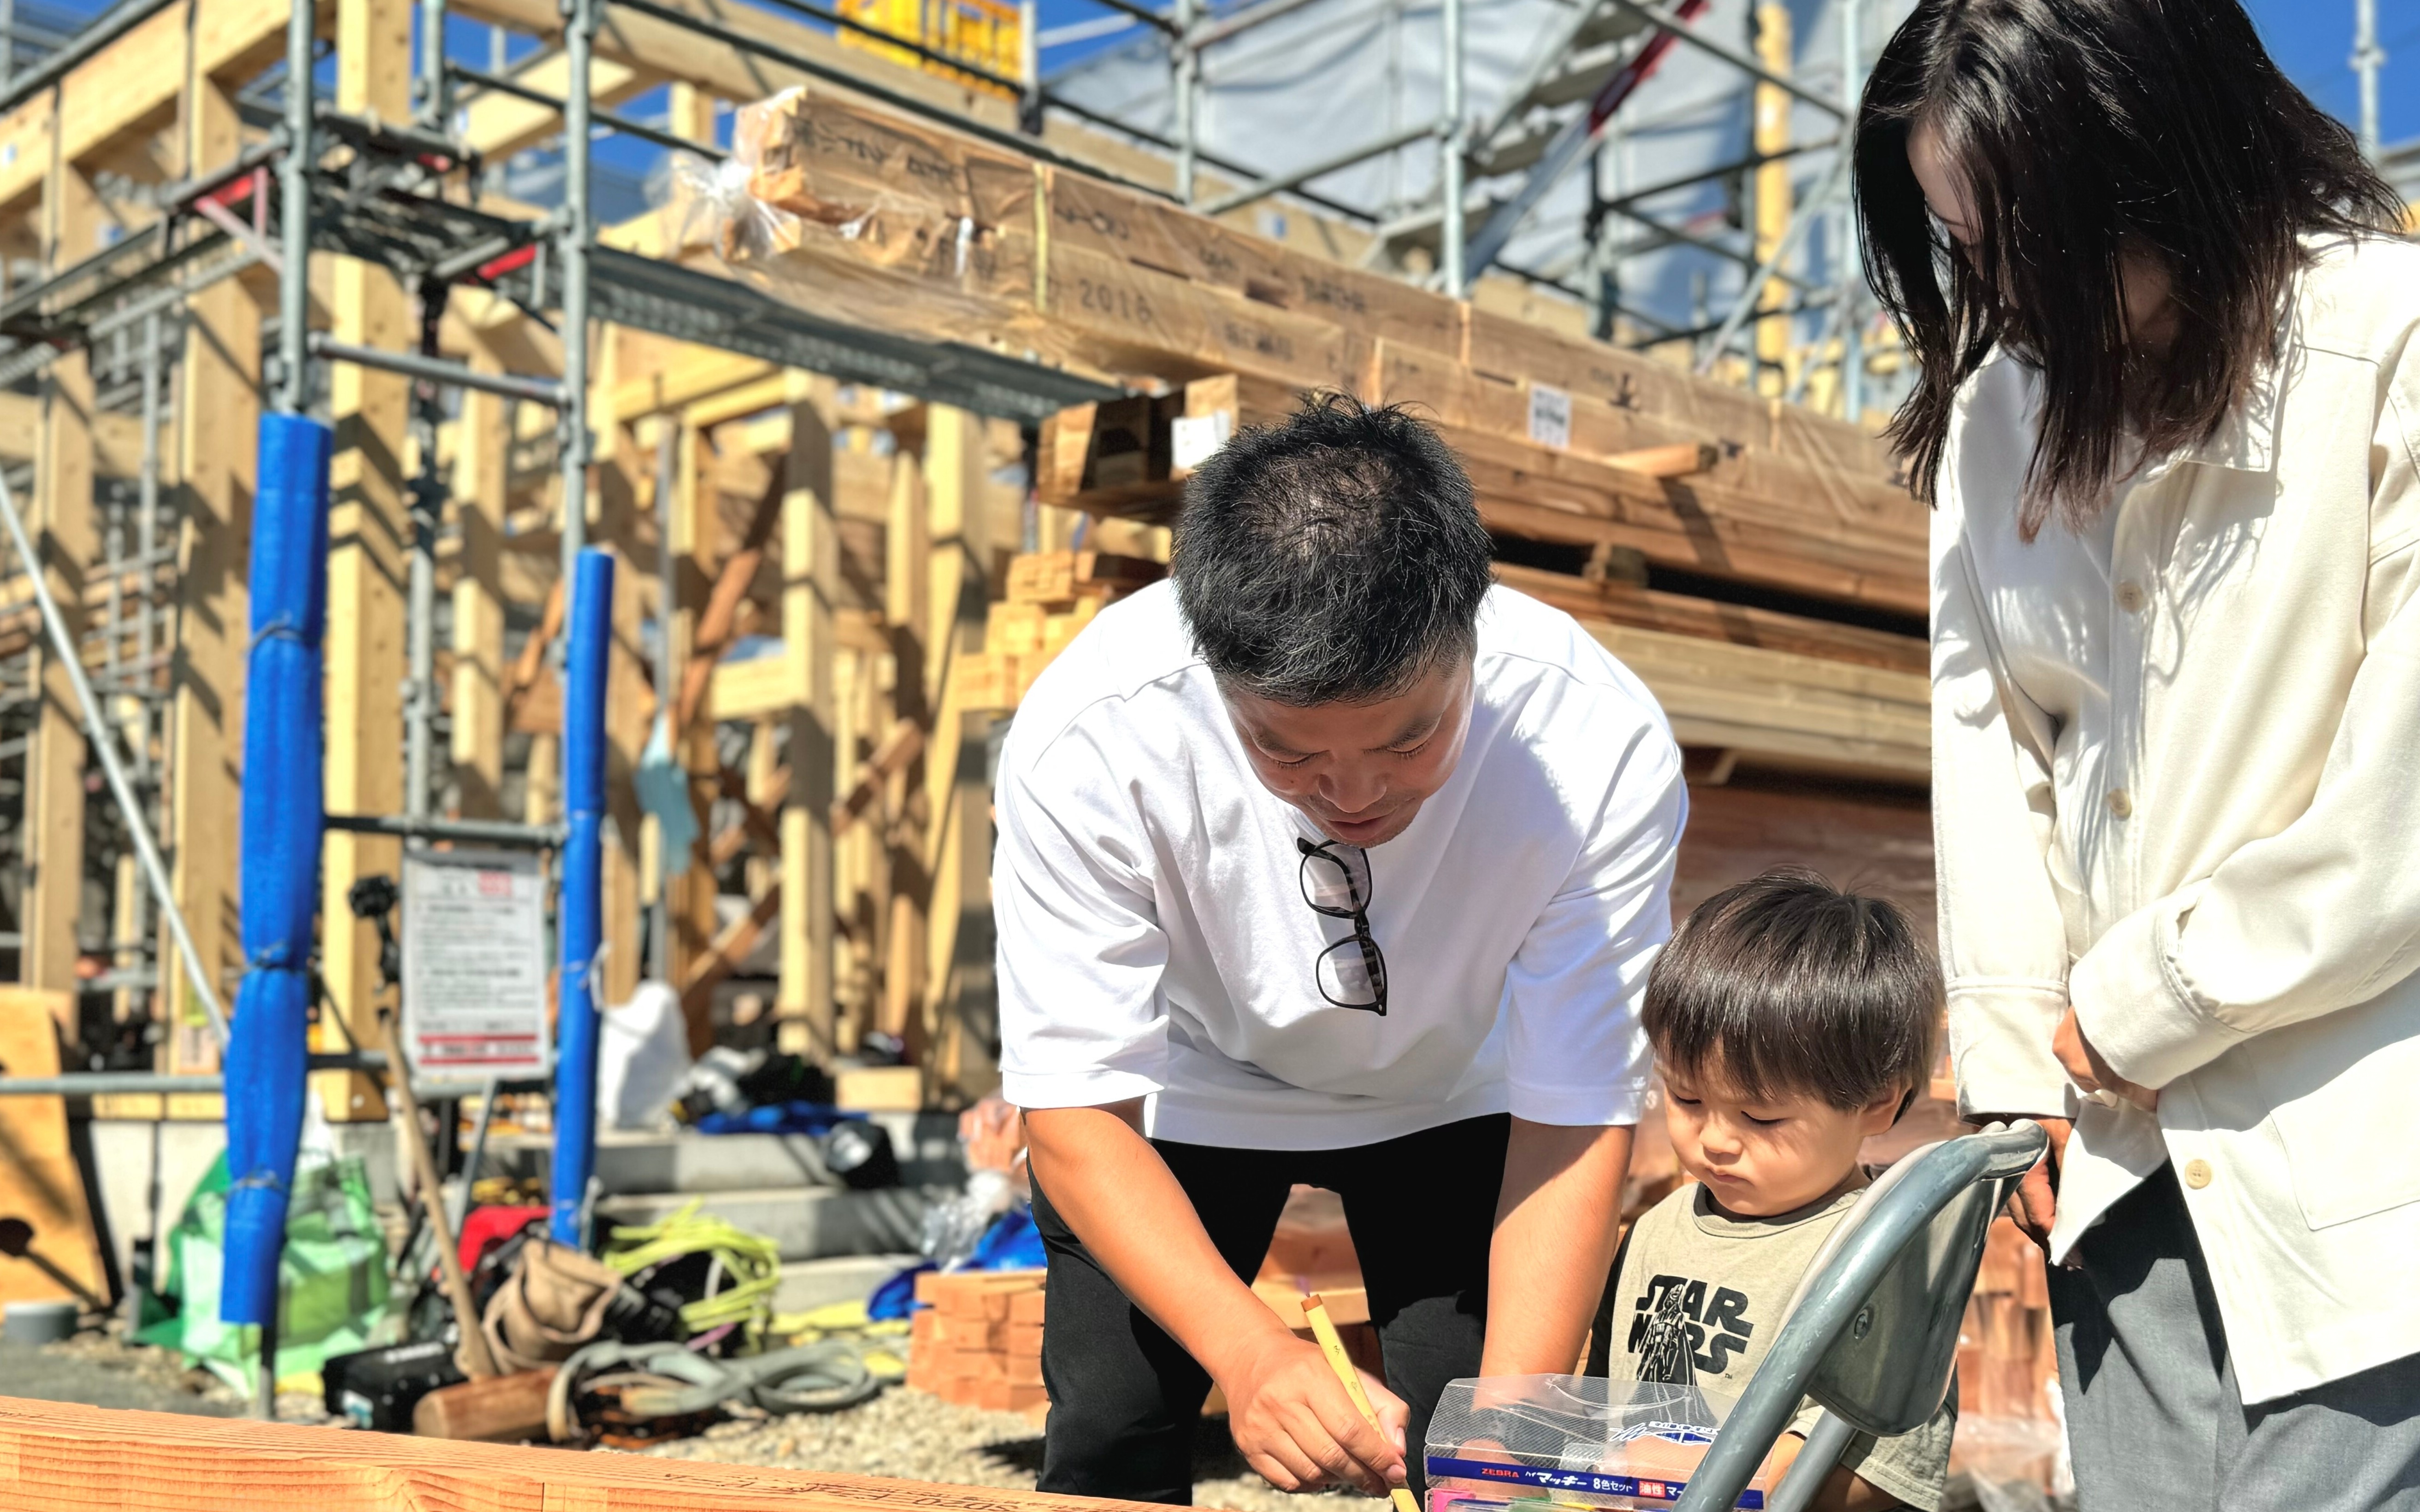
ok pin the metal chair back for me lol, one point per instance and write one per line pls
(1872, 1332)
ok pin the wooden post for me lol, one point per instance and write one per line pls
(853, 853)
(64, 535)
(907, 590)
(691, 922)
(218, 422)
(957, 849)
(696, 536)
(810, 578)
(764, 770)
(623, 478)
(367, 526)
(483, 453)
(627, 715)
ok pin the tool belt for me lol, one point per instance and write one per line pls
(556, 1300)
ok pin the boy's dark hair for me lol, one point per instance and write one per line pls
(1336, 557)
(1786, 985)
(2087, 129)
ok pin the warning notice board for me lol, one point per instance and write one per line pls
(475, 963)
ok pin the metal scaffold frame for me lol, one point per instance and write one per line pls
(325, 180)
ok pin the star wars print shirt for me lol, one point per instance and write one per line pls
(1696, 1298)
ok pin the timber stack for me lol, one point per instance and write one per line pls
(976, 1339)
(1760, 566)
(1052, 596)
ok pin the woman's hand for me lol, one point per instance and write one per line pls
(2033, 1204)
(2086, 1068)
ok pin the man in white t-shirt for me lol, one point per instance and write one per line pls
(1328, 862)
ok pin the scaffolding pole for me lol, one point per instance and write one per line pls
(1450, 164)
(1850, 310)
(1188, 60)
(2368, 58)
(420, 584)
(572, 246)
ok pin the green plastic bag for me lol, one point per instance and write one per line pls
(331, 1279)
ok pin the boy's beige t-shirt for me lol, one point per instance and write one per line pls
(1698, 1297)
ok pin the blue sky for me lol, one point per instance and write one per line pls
(2312, 40)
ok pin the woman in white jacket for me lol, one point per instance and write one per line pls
(2167, 415)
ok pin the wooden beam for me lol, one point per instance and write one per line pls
(1802, 711)
(116, 439)
(811, 576)
(367, 525)
(65, 535)
(57, 1456)
(1677, 460)
(217, 435)
(721, 617)
(721, 958)
(1643, 609)
(500, 124)
(133, 81)
(695, 375)
(903, 743)
(760, 817)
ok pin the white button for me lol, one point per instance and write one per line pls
(2196, 1174)
(2120, 803)
(2130, 597)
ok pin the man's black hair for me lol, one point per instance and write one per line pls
(1335, 557)
(1786, 985)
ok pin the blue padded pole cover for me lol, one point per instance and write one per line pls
(579, 913)
(281, 777)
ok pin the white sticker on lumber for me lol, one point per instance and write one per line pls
(1193, 438)
(1550, 416)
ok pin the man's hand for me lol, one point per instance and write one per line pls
(1292, 1420)
(2033, 1204)
(1287, 1411)
(2086, 1068)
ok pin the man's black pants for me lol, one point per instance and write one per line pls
(1124, 1397)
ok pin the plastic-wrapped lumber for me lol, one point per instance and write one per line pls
(579, 913)
(281, 825)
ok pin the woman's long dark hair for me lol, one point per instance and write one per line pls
(2087, 129)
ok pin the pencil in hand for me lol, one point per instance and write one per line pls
(1332, 1344)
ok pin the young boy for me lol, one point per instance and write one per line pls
(1791, 1020)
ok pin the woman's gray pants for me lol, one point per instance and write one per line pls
(2152, 1411)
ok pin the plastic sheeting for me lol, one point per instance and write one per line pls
(580, 915)
(332, 1283)
(281, 829)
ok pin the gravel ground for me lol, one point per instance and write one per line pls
(914, 1436)
(101, 1369)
